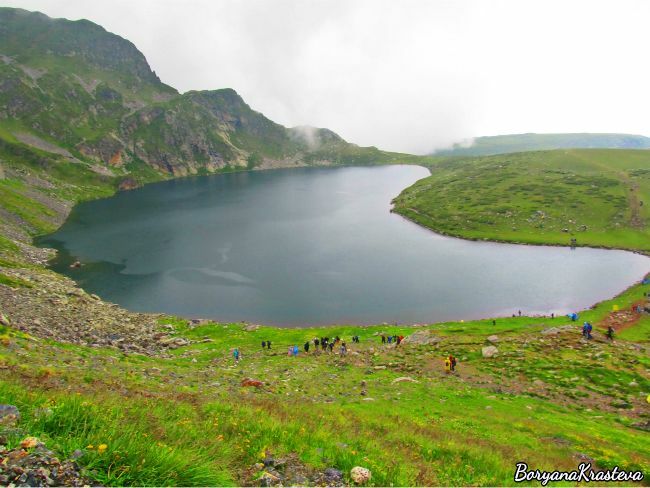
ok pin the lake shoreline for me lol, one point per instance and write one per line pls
(392, 210)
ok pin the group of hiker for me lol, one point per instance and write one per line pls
(397, 339)
(327, 344)
(587, 328)
(450, 364)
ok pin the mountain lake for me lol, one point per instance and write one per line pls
(314, 246)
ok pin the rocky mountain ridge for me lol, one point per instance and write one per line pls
(73, 89)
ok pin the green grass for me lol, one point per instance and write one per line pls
(544, 197)
(184, 420)
(14, 282)
(640, 332)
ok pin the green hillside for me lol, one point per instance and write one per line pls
(599, 197)
(485, 146)
(74, 89)
(184, 416)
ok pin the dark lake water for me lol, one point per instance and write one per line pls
(315, 246)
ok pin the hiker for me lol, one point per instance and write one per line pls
(306, 346)
(268, 344)
(263, 344)
(331, 346)
(338, 339)
(295, 350)
(290, 351)
(494, 322)
(344, 349)
(390, 339)
(586, 330)
(447, 365)
(235, 354)
(452, 361)
(552, 315)
(323, 343)
(610, 333)
(383, 339)
(316, 343)
(520, 313)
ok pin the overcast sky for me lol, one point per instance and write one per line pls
(412, 75)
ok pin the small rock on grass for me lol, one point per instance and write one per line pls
(405, 379)
(9, 415)
(360, 475)
(489, 351)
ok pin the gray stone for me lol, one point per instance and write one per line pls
(421, 337)
(489, 351)
(9, 415)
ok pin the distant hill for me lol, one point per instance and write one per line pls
(486, 146)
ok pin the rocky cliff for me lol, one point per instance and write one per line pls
(75, 90)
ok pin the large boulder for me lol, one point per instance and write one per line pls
(421, 337)
(493, 339)
(489, 351)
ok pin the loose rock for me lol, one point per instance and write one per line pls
(360, 475)
(9, 415)
(489, 351)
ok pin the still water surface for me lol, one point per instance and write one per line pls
(315, 246)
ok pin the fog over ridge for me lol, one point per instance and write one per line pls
(408, 76)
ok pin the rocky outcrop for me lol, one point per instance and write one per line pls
(128, 184)
(32, 464)
(289, 470)
(53, 307)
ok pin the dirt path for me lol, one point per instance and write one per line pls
(622, 319)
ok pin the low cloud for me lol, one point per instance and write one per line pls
(408, 76)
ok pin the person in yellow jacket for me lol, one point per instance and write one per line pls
(448, 364)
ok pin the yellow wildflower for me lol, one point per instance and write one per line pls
(101, 448)
(90, 446)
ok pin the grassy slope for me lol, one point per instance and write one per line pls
(593, 194)
(185, 420)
